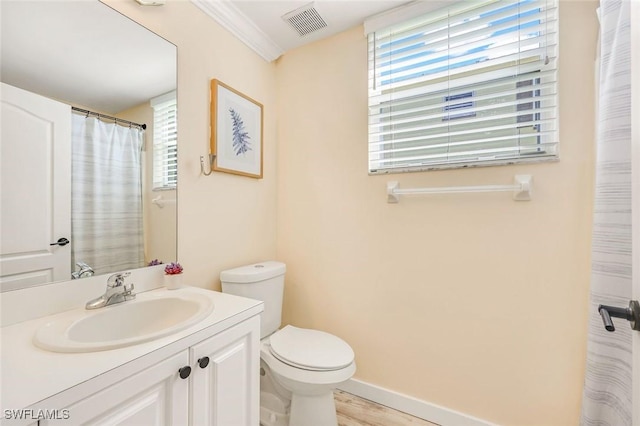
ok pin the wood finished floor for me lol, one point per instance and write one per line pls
(355, 411)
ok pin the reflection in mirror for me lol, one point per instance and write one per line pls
(78, 81)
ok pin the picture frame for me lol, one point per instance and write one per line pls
(236, 131)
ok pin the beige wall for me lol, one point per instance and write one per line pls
(474, 302)
(471, 301)
(223, 220)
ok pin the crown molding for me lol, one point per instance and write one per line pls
(236, 22)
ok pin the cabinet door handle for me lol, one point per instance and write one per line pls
(203, 362)
(184, 372)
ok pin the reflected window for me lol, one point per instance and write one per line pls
(165, 141)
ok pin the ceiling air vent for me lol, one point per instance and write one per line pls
(305, 19)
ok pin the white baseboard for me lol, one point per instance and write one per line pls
(410, 405)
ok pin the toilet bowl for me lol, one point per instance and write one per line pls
(308, 375)
(299, 367)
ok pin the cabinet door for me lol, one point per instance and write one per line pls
(227, 391)
(155, 396)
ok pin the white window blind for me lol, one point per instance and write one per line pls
(165, 141)
(471, 84)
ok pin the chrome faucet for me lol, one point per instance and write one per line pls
(85, 271)
(117, 292)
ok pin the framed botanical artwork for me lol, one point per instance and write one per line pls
(236, 131)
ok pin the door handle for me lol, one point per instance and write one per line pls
(60, 242)
(631, 314)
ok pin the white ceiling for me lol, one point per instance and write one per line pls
(259, 23)
(83, 52)
(339, 15)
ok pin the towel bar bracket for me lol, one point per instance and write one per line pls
(392, 197)
(522, 192)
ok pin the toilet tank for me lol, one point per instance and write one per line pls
(261, 281)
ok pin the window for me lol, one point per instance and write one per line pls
(165, 141)
(471, 84)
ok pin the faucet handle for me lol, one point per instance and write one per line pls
(116, 280)
(128, 292)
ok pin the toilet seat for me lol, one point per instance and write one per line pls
(310, 349)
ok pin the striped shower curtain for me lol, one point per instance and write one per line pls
(607, 390)
(106, 195)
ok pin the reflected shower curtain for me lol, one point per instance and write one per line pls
(607, 389)
(106, 200)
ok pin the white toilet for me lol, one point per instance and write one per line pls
(299, 367)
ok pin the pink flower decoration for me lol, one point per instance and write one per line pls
(173, 269)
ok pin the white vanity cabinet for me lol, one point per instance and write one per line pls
(222, 388)
(225, 384)
(154, 396)
(138, 384)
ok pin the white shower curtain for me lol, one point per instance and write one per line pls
(607, 389)
(106, 200)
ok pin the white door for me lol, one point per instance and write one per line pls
(35, 179)
(225, 382)
(635, 193)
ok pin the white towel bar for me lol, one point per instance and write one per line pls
(521, 189)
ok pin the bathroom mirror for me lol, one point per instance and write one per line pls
(88, 56)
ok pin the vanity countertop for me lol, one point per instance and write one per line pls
(30, 374)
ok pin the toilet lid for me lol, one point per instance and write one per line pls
(310, 349)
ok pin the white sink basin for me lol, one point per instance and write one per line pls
(147, 318)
